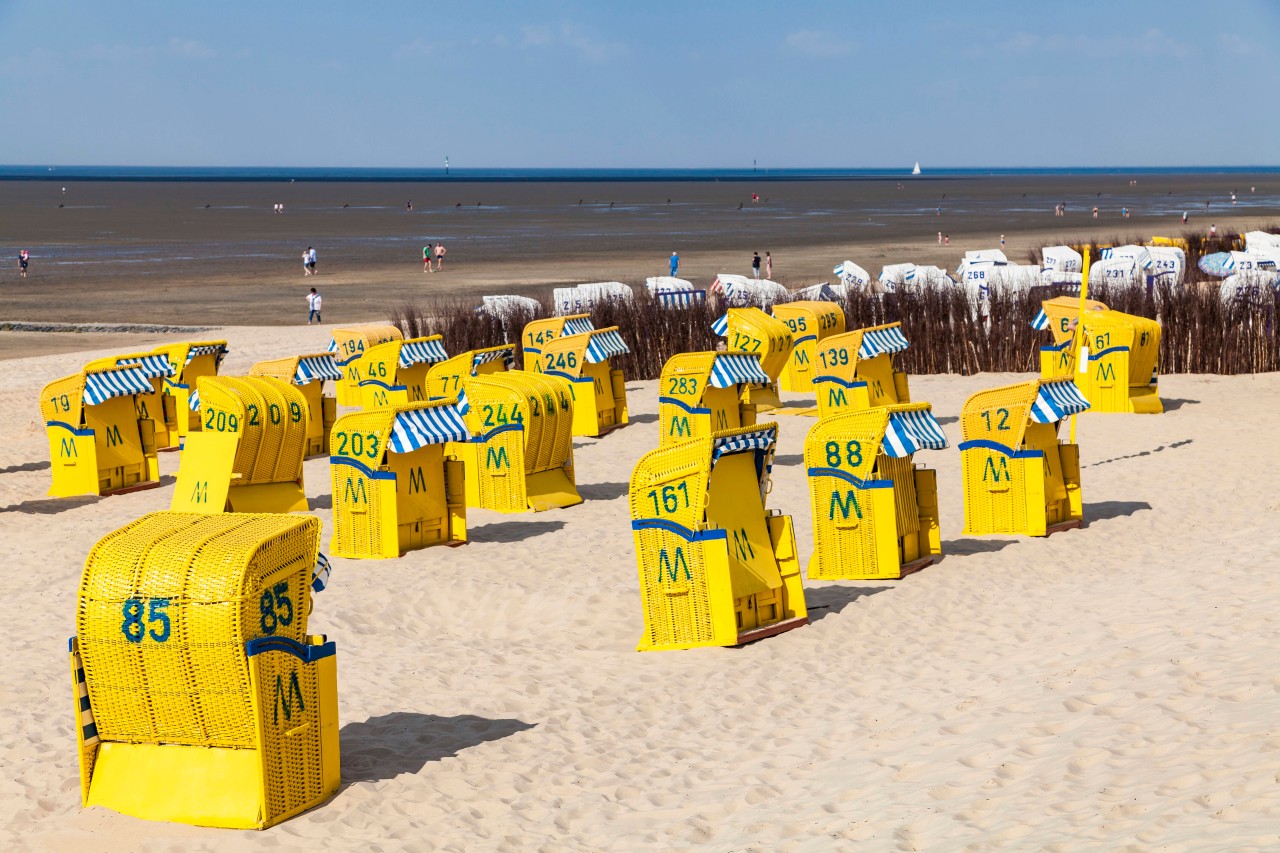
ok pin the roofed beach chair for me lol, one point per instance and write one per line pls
(1018, 477)
(308, 373)
(348, 346)
(395, 488)
(875, 513)
(395, 372)
(704, 392)
(201, 698)
(98, 445)
(248, 454)
(716, 567)
(599, 390)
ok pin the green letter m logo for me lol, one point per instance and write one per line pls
(845, 506)
(990, 468)
(1106, 370)
(671, 570)
(68, 448)
(836, 397)
(496, 457)
(285, 697)
(417, 480)
(113, 436)
(741, 546)
(680, 426)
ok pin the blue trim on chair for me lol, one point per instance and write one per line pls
(1096, 355)
(481, 439)
(306, 654)
(838, 381)
(362, 468)
(364, 382)
(69, 428)
(678, 529)
(849, 478)
(693, 411)
(984, 444)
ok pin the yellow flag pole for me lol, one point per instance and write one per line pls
(1079, 345)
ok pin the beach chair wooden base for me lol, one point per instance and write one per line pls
(770, 630)
(916, 565)
(1069, 524)
(136, 487)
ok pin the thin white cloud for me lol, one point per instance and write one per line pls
(419, 47)
(1151, 42)
(189, 49)
(818, 44)
(571, 37)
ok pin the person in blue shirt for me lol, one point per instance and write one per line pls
(675, 264)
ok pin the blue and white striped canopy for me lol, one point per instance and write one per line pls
(205, 349)
(730, 370)
(151, 365)
(333, 345)
(578, 326)
(911, 431)
(101, 387)
(320, 573)
(463, 405)
(312, 368)
(761, 439)
(1041, 322)
(1056, 400)
(420, 427)
(604, 345)
(193, 400)
(507, 354)
(878, 341)
(720, 326)
(681, 298)
(422, 352)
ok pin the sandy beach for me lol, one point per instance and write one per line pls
(1109, 688)
(215, 254)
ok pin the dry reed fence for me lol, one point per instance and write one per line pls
(1200, 334)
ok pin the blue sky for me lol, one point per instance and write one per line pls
(653, 84)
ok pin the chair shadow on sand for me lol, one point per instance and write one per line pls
(603, 491)
(388, 745)
(53, 506)
(1103, 510)
(26, 466)
(1172, 405)
(823, 601)
(512, 530)
(646, 418)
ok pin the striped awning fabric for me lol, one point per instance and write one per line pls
(101, 387)
(604, 345)
(578, 326)
(911, 431)
(150, 365)
(420, 427)
(1041, 322)
(681, 298)
(205, 349)
(878, 341)
(89, 728)
(720, 326)
(193, 400)
(463, 405)
(730, 370)
(1056, 400)
(320, 573)
(422, 352)
(312, 368)
(761, 439)
(507, 354)
(333, 345)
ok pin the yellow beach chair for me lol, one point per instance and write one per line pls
(811, 323)
(395, 373)
(520, 455)
(200, 696)
(541, 332)
(1123, 368)
(1018, 478)
(150, 407)
(445, 378)
(348, 347)
(97, 443)
(875, 513)
(248, 454)
(599, 391)
(308, 373)
(855, 371)
(704, 392)
(394, 489)
(716, 568)
(190, 360)
(751, 330)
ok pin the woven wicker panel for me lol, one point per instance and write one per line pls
(753, 331)
(166, 605)
(291, 765)
(358, 512)
(280, 368)
(62, 400)
(999, 414)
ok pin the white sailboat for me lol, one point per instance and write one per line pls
(916, 170)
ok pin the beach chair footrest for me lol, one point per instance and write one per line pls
(1069, 524)
(763, 631)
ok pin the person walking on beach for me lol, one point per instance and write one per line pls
(768, 266)
(755, 264)
(939, 238)
(1095, 212)
(1213, 230)
(311, 260)
(675, 264)
(23, 257)
(306, 262)
(1184, 217)
(439, 256)
(426, 258)
(1001, 241)
(313, 307)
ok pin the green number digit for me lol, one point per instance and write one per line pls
(833, 454)
(853, 453)
(131, 627)
(283, 603)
